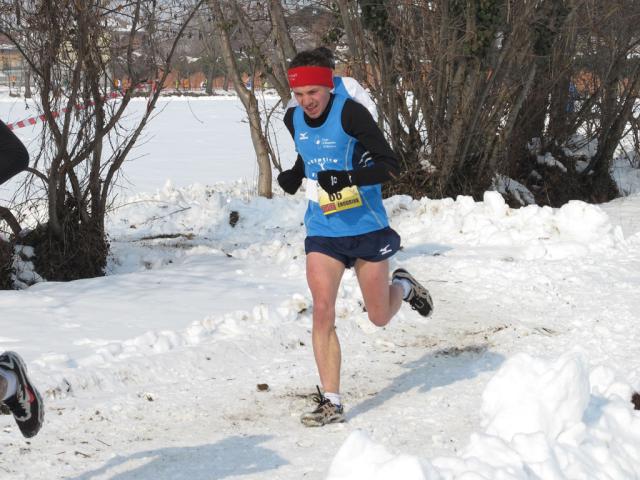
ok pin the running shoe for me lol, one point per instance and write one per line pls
(26, 405)
(418, 297)
(325, 412)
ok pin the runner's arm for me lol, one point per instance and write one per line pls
(290, 180)
(358, 122)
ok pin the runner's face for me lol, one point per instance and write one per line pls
(313, 99)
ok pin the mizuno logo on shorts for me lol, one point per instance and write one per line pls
(386, 249)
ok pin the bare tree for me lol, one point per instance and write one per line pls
(72, 49)
(208, 51)
(258, 33)
(466, 88)
(247, 97)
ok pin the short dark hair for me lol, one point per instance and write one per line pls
(328, 54)
(313, 58)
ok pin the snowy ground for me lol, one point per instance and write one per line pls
(524, 371)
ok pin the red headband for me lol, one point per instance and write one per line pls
(310, 75)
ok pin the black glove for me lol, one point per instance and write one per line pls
(332, 181)
(290, 181)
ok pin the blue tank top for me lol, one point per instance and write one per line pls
(329, 147)
(339, 88)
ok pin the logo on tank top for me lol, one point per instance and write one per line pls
(303, 136)
(326, 143)
(322, 162)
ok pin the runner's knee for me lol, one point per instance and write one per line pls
(379, 319)
(323, 314)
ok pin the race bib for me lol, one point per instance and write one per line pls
(345, 199)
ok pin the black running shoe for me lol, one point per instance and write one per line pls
(3, 386)
(325, 413)
(4, 410)
(419, 297)
(26, 405)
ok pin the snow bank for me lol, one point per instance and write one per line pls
(198, 212)
(543, 419)
(575, 229)
(259, 320)
(361, 459)
(201, 210)
(532, 396)
(152, 230)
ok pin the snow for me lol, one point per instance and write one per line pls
(524, 371)
(626, 175)
(541, 419)
(581, 146)
(549, 160)
(509, 186)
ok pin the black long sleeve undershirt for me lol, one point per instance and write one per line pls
(14, 157)
(358, 123)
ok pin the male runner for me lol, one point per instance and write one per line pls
(346, 222)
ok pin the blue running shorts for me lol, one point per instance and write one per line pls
(373, 246)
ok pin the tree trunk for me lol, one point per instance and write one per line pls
(248, 100)
(282, 31)
(352, 40)
(274, 70)
(27, 81)
(210, 77)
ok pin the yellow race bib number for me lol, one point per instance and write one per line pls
(348, 197)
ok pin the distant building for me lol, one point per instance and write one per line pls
(12, 68)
